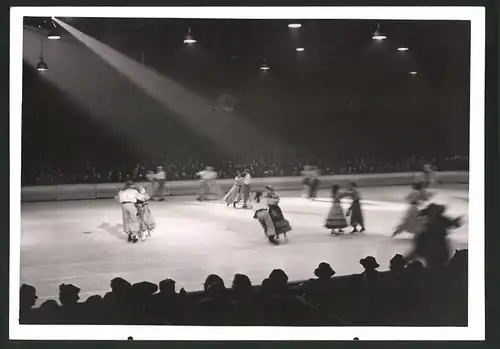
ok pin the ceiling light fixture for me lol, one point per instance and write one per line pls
(413, 73)
(189, 38)
(377, 35)
(294, 25)
(403, 49)
(300, 49)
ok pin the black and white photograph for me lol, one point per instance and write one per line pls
(291, 173)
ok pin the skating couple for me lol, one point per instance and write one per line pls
(137, 219)
(241, 186)
(336, 220)
(269, 215)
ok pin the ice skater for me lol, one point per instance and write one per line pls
(306, 172)
(128, 198)
(146, 221)
(336, 220)
(160, 178)
(208, 176)
(247, 180)
(432, 243)
(313, 182)
(412, 222)
(281, 225)
(233, 195)
(260, 207)
(355, 212)
(429, 175)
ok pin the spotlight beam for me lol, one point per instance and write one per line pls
(228, 131)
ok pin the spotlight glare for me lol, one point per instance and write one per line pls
(189, 41)
(294, 25)
(265, 67)
(299, 49)
(413, 73)
(403, 49)
(53, 37)
(379, 37)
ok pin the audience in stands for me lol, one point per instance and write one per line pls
(407, 295)
(180, 167)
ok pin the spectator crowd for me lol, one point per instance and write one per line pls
(180, 167)
(406, 295)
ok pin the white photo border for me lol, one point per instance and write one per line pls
(476, 303)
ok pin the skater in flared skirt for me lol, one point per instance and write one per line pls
(336, 220)
(233, 195)
(147, 223)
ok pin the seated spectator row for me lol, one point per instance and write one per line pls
(185, 168)
(406, 295)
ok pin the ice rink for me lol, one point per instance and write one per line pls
(81, 242)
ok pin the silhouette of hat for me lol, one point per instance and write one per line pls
(167, 284)
(324, 269)
(398, 261)
(144, 288)
(68, 289)
(120, 284)
(369, 262)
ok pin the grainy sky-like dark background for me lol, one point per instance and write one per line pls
(346, 93)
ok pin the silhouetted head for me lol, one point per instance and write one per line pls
(278, 279)
(417, 185)
(369, 263)
(257, 196)
(27, 296)
(354, 185)
(211, 279)
(119, 285)
(324, 271)
(68, 294)
(167, 286)
(335, 189)
(397, 263)
(241, 284)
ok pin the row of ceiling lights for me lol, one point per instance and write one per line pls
(189, 39)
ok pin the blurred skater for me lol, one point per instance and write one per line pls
(208, 176)
(429, 175)
(412, 222)
(146, 221)
(306, 171)
(432, 244)
(160, 177)
(313, 182)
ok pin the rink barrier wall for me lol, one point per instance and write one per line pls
(192, 187)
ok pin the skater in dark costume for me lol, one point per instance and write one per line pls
(428, 175)
(336, 220)
(261, 213)
(355, 211)
(146, 221)
(432, 244)
(281, 225)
